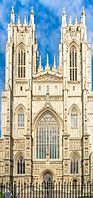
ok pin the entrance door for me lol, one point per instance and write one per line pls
(47, 177)
(47, 181)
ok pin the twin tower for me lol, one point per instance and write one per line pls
(78, 28)
(47, 114)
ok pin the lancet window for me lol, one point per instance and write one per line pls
(73, 64)
(21, 166)
(21, 63)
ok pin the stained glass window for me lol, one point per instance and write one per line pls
(47, 137)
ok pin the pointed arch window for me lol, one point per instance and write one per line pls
(47, 138)
(21, 118)
(21, 62)
(21, 166)
(74, 166)
(73, 63)
(74, 119)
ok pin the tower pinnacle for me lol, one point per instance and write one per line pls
(12, 15)
(83, 16)
(32, 16)
(63, 18)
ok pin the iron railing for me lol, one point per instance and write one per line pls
(46, 190)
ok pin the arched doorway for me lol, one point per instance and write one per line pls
(74, 183)
(47, 177)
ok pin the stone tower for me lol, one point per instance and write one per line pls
(47, 114)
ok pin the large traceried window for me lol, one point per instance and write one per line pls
(73, 63)
(74, 119)
(20, 118)
(21, 166)
(47, 137)
(21, 62)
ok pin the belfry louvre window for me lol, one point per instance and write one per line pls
(21, 166)
(47, 138)
(21, 63)
(21, 118)
(73, 64)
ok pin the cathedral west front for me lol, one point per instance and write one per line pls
(47, 114)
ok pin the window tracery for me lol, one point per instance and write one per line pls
(47, 137)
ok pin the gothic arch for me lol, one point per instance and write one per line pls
(47, 124)
(74, 163)
(72, 107)
(17, 156)
(74, 154)
(18, 107)
(21, 44)
(73, 43)
(44, 111)
(48, 171)
(19, 120)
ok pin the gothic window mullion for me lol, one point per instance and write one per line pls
(21, 63)
(73, 64)
(48, 138)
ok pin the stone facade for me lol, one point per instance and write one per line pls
(63, 94)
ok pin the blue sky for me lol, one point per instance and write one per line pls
(48, 24)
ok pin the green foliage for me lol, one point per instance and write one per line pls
(86, 197)
(3, 195)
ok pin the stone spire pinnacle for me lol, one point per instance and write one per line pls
(76, 21)
(25, 21)
(54, 66)
(12, 15)
(63, 18)
(83, 17)
(19, 20)
(70, 20)
(40, 64)
(32, 16)
(47, 63)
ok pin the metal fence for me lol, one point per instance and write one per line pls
(46, 190)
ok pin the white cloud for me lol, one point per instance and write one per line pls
(73, 7)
